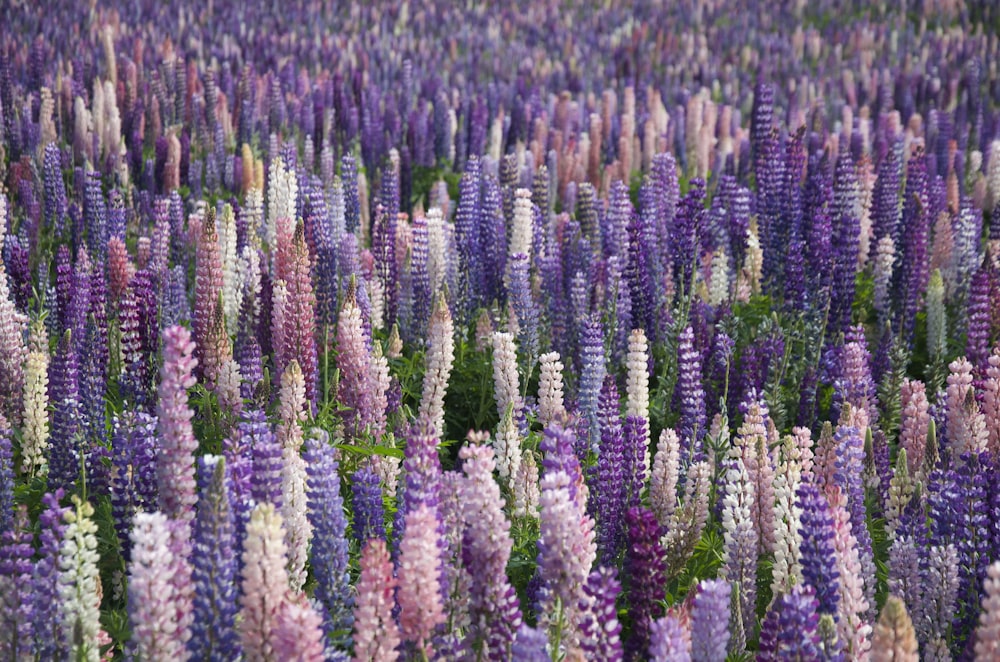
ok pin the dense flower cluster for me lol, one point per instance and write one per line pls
(518, 331)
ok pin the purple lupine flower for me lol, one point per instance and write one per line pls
(486, 549)
(846, 229)
(646, 571)
(977, 344)
(885, 196)
(493, 243)
(850, 477)
(789, 628)
(592, 370)
(710, 620)
(600, 630)
(55, 190)
(669, 640)
(65, 439)
(524, 305)
(367, 508)
(16, 626)
(816, 550)
(328, 558)
(95, 215)
(819, 230)
(531, 645)
(912, 276)
(6, 476)
(687, 224)
(635, 450)
(614, 224)
(691, 396)
(608, 485)
(467, 218)
(383, 248)
(258, 437)
(213, 566)
(558, 447)
(93, 380)
(133, 480)
(134, 381)
(422, 486)
(352, 204)
(47, 617)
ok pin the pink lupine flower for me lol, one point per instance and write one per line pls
(265, 583)
(152, 608)
(376, 635)
(298, 632)
(914, 424)
(966, 428)
(991, 400)
(294, 322)
(354, 361)
(175, 461)
(988, 632)
(419, 593)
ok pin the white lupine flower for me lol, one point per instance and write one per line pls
(753, 263)
(440, 358)
(227, 386)
(376, 297)
(525, 487)
(663, 479)
(282, 192)
(437, 265)
(79, 583)
(338, 210)
(866, 189)
(937, 323)
(507, 392)
(885, 258)
(718, 286)
(294, 511)
(637, 386)
(294, 508)
(253, 209)
(988, 632)
(249, 278)
(151, 593)
(521, 226)
(550, 388)
(787, 570)
(232, 293)
(36, 402)
(507, 444)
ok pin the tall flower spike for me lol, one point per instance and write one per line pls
(16, 550)
(710, 620)
(175, 462)
(787, 479)
(991, 400)
(818, 554)
(663, 480)
(669, 640)
(486, 548)
(592, 370)
(439, 358)
(35, 420)
(789, 628)
(367, 508)
(208, 293)
(151, 602)
(894, 639)
(691, 395)
(66, 438)
(914, 423)
(600, 630)
(265, 583)
(50, 639)
(550, 388)
(851, 626)
(213, 566)
(419, 594)
(566, 551)
(329, 556)
(354, 390)
(646, 573)
(293, 473)
(506, 391)
(988, 632)
(376, 635)
(79, 582)
(739, 558)
(966, 429)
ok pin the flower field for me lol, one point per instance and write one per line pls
(529, 331)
